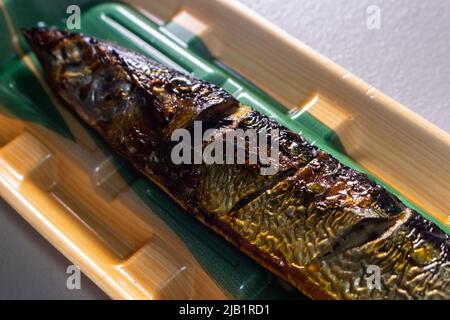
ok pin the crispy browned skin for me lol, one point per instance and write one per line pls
(316, 223)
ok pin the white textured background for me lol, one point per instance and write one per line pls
(408, 58)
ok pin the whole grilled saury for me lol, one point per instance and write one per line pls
(316, 223)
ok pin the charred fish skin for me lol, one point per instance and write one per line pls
(317, 223)
(92, 73)
(332, 230)
(132, 102)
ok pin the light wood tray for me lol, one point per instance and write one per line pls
(131, 254)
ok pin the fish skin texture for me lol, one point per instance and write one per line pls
(316, 223)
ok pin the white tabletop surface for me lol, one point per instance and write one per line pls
(407, 58)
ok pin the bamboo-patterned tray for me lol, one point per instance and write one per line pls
(124, 233)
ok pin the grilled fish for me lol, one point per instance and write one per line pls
(325, 228)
